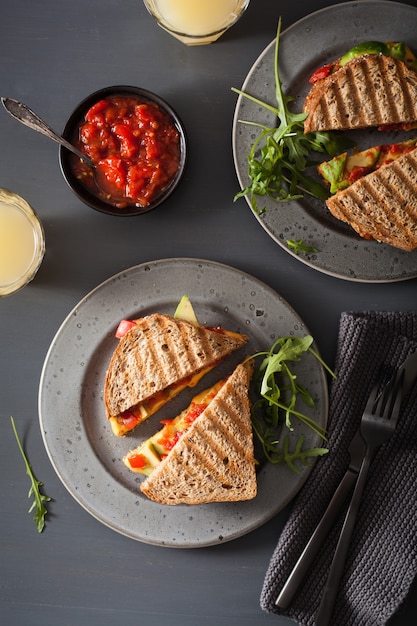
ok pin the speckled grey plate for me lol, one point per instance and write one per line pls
(305, 46)
(82, 449)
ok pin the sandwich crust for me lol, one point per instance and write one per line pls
(371, 90)
(383, 204)
(157, 352)
(214, 460)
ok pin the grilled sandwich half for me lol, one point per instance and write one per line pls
(373, 90)
(206, 453)
(375, 192)
(155, 360)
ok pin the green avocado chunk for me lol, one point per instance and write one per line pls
(185, 311)
(151, 457)
(336, 172)
(332, 172)
(396, 50)
(368, 47)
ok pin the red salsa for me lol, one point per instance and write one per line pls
(135, 147)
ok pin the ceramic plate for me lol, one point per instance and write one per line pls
(82, 449)
(313, 41)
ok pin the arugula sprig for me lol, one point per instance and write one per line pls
(39, 498)
(281, 154)
(298, 246)
(278, 393)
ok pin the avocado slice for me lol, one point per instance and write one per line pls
(396, 50)
(337, 171)
(332, 172)
(367, 47)
(364, 160)
(185, 311)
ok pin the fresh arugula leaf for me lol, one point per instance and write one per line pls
(299, 454)
(298, 246)
(278, 391)
(281, 154)
(39, 498)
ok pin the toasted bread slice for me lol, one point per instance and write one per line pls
(214, 460)
(158, 358)
(370, 91)
(383, 204)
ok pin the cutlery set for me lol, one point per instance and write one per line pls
(378, 422)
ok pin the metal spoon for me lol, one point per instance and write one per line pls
(26, 116)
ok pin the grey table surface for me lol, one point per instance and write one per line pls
(53, 54)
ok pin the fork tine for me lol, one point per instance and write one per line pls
(388, 403)
(373, 397)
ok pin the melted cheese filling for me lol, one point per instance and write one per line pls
(147, 456)
(138, 414)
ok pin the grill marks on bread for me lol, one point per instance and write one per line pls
(214, 460)
(158, 352)
(221, 446)
(371, 90)
(383, 204)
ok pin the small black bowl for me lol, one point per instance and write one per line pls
(71, 130)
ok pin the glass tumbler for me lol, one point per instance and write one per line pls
(22, 242)
(196, 22)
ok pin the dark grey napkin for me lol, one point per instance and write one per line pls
(382, 560)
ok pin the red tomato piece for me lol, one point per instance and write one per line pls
(153, 148)
(142, 112)
(137, 460)
(95, 112)
(358, 172)
(129, 419)
(128, 142)
(89, 133)
(113, 170)
(124, 327)
(322, 72)
(168, 439)
(194, 412)
(136, 180)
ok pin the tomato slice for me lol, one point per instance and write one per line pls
(123, 327)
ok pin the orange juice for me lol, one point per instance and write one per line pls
(21, 242)
(196, 21)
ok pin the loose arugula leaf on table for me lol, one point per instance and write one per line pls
(39, 498)
(278, 391)
(281, 154)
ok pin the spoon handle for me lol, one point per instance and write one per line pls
(26, 116)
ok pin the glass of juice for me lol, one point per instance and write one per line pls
(196, 22)
(22, 242)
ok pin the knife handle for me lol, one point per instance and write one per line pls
(328, 600)
(312, 548)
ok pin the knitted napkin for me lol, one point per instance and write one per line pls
(382, 559)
